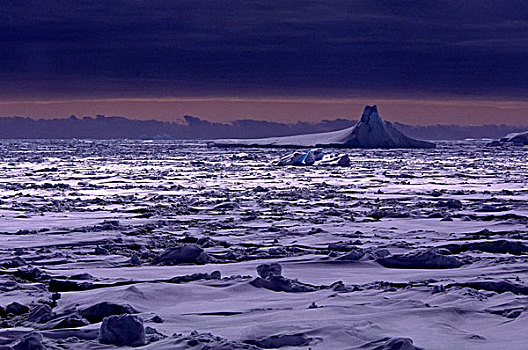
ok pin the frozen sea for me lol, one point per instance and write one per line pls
(404, 249)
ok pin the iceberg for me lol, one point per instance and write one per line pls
(301, 158)
(314, 156)
(335, 160)
(516, 139)
(370, 132)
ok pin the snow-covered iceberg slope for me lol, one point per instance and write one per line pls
(515, 138)
(370, 132)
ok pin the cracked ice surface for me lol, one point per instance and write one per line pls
(144, 226)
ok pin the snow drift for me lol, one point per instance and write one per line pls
(370, 132)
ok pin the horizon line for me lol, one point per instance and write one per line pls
(495, 103)
(230, 122)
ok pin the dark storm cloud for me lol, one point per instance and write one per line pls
(264, 47)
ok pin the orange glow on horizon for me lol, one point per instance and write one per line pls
(282, 109)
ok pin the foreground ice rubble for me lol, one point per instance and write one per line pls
(171, 246)
(421, 260)
(122, 330)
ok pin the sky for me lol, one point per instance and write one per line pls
(421, 62)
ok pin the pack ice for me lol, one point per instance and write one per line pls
(160, 244)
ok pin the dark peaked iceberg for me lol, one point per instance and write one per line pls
(370, 132)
